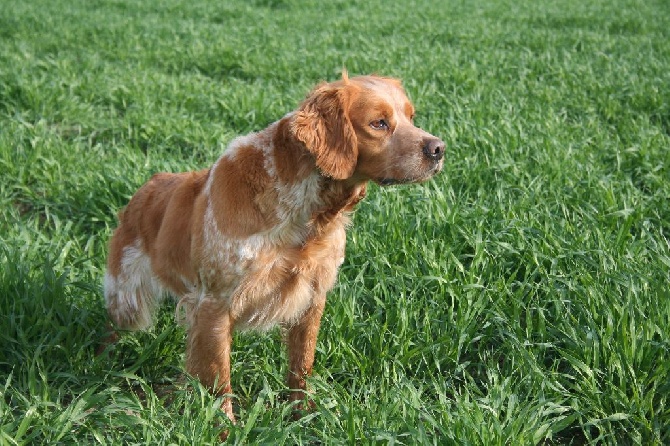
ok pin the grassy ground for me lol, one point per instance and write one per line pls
(522, 297)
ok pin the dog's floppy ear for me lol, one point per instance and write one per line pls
(322, 123)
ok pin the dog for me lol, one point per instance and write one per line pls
(257, 239)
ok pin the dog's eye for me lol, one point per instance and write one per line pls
(379, 124)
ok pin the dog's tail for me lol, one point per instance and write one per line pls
(132, 291)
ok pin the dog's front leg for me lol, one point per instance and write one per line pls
(210, 338)
(301, 342)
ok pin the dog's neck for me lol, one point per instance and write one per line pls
(340, 199)
(315, 200)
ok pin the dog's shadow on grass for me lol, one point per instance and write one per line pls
(54, 325)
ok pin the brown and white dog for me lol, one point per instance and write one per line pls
(257, 239)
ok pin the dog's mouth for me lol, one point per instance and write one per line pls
(407, 180)
(392, 181)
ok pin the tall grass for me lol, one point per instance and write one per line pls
(521, 297)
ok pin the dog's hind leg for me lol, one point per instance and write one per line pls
(133, 293)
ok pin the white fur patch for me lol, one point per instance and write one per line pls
(132, 296)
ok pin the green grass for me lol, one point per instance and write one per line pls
(521, 297)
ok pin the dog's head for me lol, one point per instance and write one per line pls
(362, 128)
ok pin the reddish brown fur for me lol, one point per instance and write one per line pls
(244, 185)
(292, 162)
(257, 239)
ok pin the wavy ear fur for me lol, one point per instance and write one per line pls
(323, 125)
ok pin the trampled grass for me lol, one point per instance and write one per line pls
(521, 297)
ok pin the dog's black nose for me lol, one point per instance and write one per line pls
(434, 149)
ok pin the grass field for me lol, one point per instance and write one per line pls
(521, 297)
